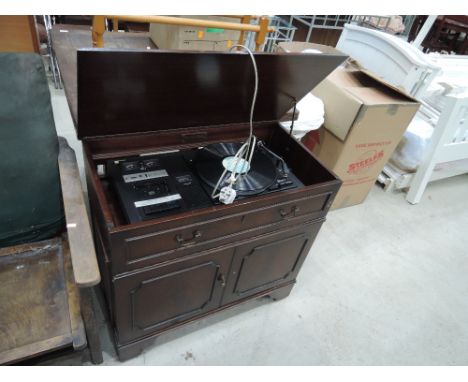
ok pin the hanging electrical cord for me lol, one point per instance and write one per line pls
(293, 118)
(245, 153)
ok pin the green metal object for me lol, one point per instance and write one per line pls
(214, 30)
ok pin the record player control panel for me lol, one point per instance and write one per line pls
(152, 186)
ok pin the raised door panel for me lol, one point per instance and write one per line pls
(154, 299)
(269, 262)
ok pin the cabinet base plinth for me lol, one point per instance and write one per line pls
(280, 293)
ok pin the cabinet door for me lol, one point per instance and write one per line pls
(269, 261)
(154, 299)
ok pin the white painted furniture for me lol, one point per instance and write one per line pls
(447, 152)
(396, 61)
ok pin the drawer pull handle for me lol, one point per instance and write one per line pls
(294, 210)
(196, 235)
(222, 280)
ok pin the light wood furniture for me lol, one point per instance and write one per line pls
(18, 34)
(261, 30)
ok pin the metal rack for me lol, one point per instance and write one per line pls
(321, 21)
(365, 21)
(337, 22)
(53, 64)
(372, 20)
(284, 32)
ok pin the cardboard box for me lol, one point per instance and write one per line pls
(365, 118)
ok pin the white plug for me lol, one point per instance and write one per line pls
(227, 195)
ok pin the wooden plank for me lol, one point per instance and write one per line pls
(83, 254)
(401, 179)
(33, 302)
(18, 34)
(443, 132)
(34, 34)
(449, 169)
(92, 328)
(452, 151)
(185, 21)
(34, 349)
(76, 323)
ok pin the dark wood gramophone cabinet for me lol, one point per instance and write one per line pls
(134, 102)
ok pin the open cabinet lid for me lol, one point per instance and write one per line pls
(122, 92)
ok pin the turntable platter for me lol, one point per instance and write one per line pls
(209, 166)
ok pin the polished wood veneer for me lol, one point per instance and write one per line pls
(163, 273)
(229, 253)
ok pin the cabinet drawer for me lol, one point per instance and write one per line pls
(151, 300)
(165, 244)
(308, 206)
(159, 246)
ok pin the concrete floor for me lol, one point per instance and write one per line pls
(386, 283)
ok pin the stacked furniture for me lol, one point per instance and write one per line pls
(448, 33)
(422, 76)
(389, 57)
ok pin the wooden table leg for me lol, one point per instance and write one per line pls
(91, 326)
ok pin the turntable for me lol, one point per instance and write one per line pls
(152, 186)
(160, 128)
(267, 173)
